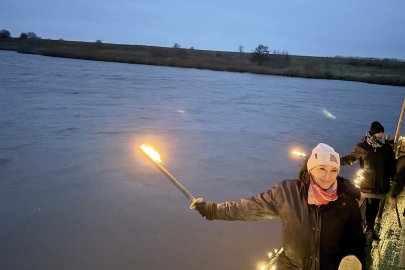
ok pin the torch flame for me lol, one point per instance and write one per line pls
(298, 153)
(151, 153)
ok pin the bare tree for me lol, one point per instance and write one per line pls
(5, 34)
(176, 46)
(29, 35)
(32, 35)
(261, 54)
(241, 48)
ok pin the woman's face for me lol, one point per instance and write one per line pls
(324, 175)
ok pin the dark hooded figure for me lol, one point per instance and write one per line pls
(319, 212)
(377, 160)
(397, 185)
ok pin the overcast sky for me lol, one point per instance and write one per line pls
(364, 28)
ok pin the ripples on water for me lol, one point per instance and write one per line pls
(75, 193)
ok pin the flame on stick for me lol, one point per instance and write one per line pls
(151, 153)
(155, 158)
(298, 153)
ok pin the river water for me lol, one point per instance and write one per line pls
(76, 192)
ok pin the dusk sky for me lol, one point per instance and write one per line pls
(364, 28)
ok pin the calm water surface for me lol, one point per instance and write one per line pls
(76, 193)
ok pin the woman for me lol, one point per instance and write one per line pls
(319, 212)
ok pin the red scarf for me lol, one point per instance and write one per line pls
(319, 196)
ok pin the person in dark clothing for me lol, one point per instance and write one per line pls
(319, 212)
(377, 160)
(398, 183)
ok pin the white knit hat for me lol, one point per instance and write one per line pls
(323, 154)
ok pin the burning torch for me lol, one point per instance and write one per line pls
(155, 158)
(298, 153)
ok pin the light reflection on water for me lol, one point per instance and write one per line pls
(75, 193)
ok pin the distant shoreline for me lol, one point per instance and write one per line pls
(376, 71)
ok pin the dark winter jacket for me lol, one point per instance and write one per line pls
(378, 164)
(314, 237)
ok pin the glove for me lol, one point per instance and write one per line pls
(206, 209)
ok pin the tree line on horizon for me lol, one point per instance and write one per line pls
(5, 34)
(260, 55)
